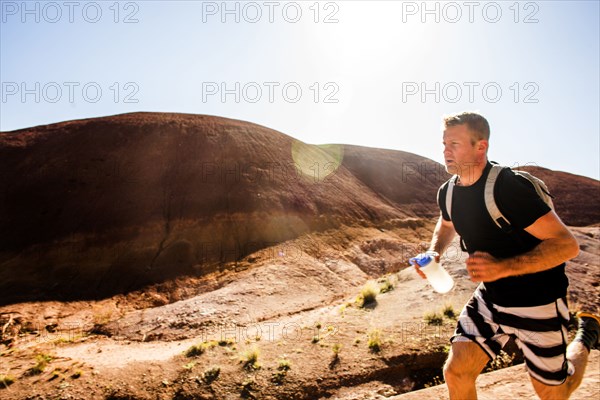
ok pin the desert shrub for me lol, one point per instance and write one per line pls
(374, 342)
(55, 375)
(250, 358)
(195, 350)
(433, 318)
(226, 342)
(189, 366)
(449, 312)
(282, 368)
(436, 381)
(42, 361)
(6, 380)
(335, 359)
(199, 349)
(284, 365)
(247, 387)
(503, 360)
(278, 377)
(368, 294)
(336, 348)
(386, 285)
(211, 375)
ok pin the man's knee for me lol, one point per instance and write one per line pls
(458, 372)
(464, 363)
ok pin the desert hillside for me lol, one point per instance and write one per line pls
(152, 196)
(174, 256)
(575, 196)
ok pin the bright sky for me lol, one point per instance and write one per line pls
(371, 73)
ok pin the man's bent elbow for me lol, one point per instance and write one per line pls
(573, 248)
(569, 247)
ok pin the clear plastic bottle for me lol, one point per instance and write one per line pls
(437, 276)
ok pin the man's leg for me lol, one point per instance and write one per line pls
(577, 354)
(476, 340)
(463, 366)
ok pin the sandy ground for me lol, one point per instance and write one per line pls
(296, 310)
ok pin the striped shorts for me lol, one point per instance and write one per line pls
(540, 332)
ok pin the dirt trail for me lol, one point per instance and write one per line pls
(411, 296)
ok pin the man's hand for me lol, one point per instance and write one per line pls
(442, 236)
(558, 245)
(421, 273)
(483, 267)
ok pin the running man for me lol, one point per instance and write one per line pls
(522, 273)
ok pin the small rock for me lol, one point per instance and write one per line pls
(387, 391)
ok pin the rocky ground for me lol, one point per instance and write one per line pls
(279, 327)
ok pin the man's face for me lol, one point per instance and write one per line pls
(460, 154)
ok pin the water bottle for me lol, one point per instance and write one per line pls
(437, 276)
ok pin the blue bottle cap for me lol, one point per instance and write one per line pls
(422, 260)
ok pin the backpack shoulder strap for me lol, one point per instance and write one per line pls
(540, 187)
(490, 201)
(449, 191)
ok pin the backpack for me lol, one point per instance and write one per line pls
(490, 202)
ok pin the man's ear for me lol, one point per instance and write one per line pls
(482, 145)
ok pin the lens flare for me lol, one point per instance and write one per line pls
(317, 162)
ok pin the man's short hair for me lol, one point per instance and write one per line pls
(475, 122)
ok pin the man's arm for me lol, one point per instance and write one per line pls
(442, 235)
(558, 245)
